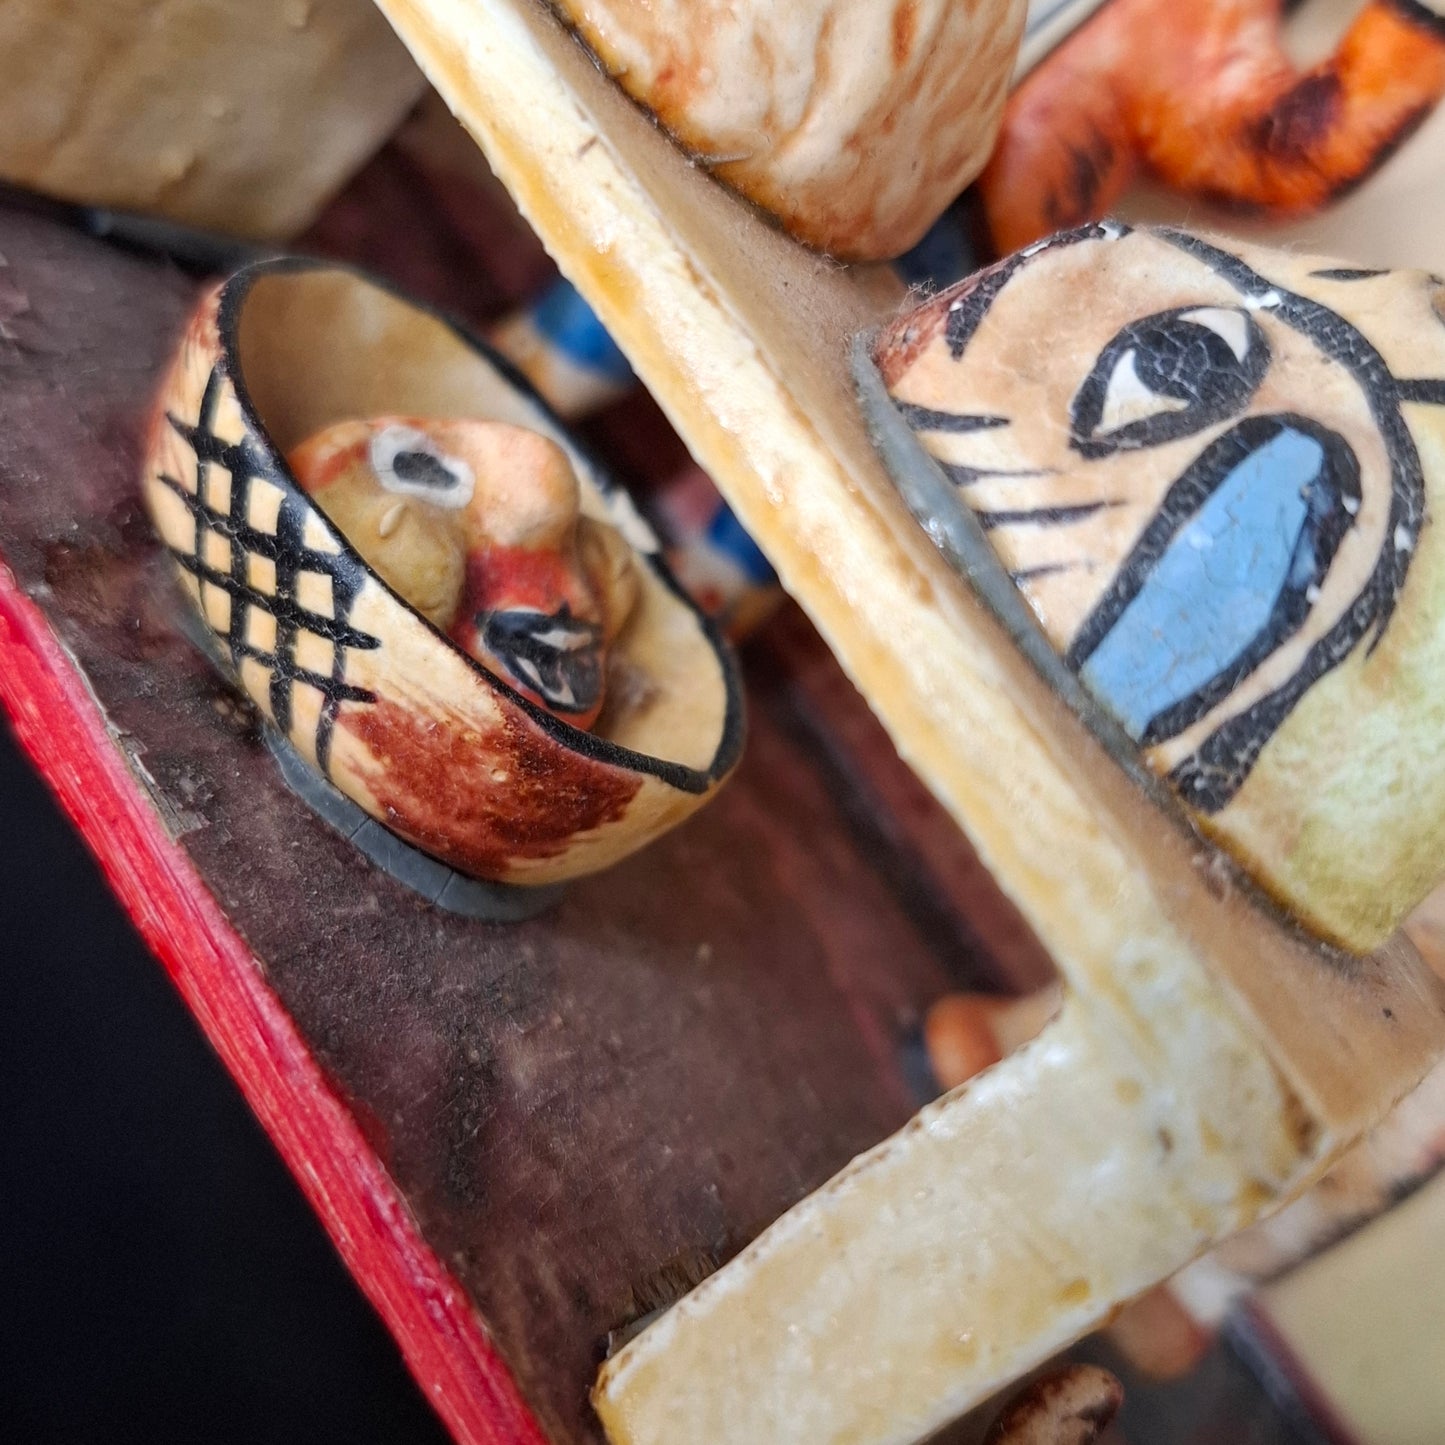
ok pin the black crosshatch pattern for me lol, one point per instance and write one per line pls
(286, 550)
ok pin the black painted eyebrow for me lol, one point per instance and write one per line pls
(925, 418)
(966, 313)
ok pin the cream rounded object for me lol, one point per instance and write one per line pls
(854, 121)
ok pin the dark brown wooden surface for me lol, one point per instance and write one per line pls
(686, 1046)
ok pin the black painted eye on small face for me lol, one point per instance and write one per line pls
(410, 462)
(1168, 376)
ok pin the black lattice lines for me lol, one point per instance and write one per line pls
(283, 597)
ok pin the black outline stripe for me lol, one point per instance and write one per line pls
(1062, 516)
(1044, 569)
(1422, 16)
(1427, 390)
(963, 475)
(1347, 273)
(924, 418)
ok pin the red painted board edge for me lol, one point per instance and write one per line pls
(58, 722)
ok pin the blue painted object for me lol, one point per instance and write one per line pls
(570, 324)
(942, 257)
(1215, 588)
(729, 536)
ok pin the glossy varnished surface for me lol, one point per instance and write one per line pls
(687, 1046)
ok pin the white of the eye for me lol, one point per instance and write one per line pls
(1127, 399)
(562, 639)
(1229, 326)
(391, 441)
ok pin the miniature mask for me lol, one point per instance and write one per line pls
(478, 525)
(1210, 471)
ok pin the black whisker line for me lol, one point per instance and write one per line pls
(1347, 273)
(962, 475)
(1044, 569)
(924, 418)
(1427, 389)
(1042, 516)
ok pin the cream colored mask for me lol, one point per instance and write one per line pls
(1209, 471)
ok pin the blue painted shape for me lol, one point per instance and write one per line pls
(1215, 587)
(730, 537)
(570, 324)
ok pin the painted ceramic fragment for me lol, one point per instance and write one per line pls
(1210, 471)
(854, 121)
(431, 611)
(1206, 98)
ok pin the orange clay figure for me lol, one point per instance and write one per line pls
(477, 525)
(1201, 94)
(966, 1033)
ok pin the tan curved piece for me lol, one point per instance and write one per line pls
(1208, 1062)
(242, 116)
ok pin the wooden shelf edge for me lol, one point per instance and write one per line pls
(61, 727)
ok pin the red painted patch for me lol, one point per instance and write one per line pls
(907, 338)
(481, 804)
(316, 468)
(502, 577)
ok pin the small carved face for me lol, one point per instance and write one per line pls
(478, 525)
(1199, 479)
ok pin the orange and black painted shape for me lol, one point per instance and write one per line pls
(1203, 96)
(444, 752)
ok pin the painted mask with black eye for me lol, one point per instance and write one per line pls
(1199, 479)
(1167, 376)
